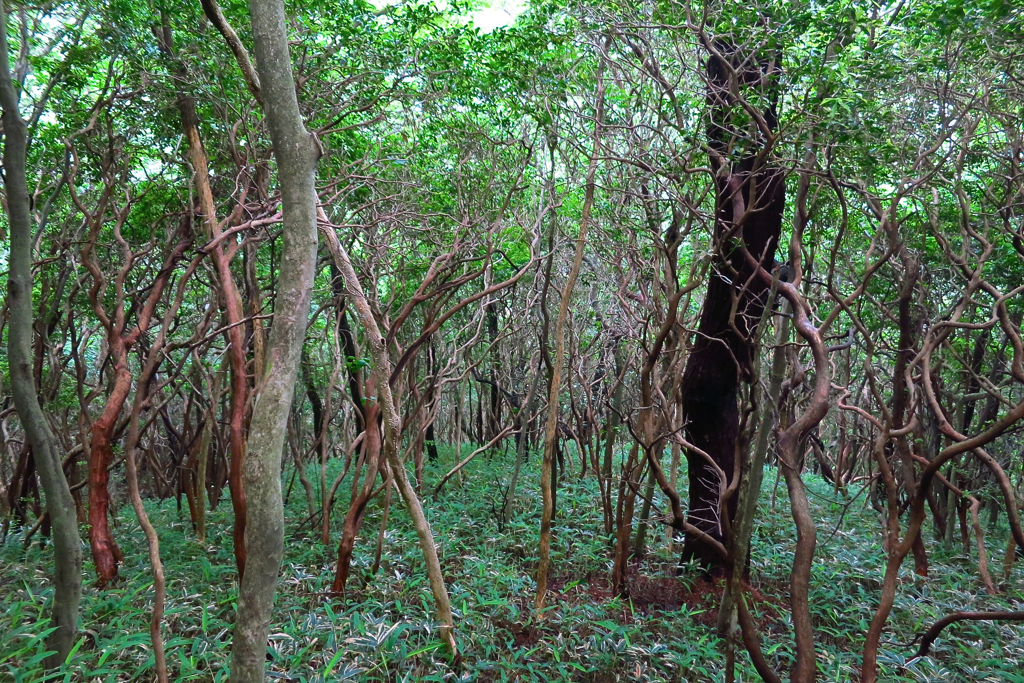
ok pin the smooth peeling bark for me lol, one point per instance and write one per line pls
(792, 439)
(804, 669)
(106, 554)
(347, 349)
(392, 423)
(368, 415)
(232, 299)
(371, 451)
(60, 505)
(295, 153)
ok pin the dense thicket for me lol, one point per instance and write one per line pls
(656, 254)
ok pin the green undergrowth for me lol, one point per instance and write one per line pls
(383, 630)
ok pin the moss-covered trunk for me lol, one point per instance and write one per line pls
(60, 505)
(295, 153)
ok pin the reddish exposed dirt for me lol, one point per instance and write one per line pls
(522, 634)
(663, 591)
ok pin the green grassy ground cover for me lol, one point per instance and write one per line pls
(383, 629)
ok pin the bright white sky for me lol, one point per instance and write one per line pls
(491, 15)
(497, 13)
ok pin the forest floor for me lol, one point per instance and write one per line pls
(383, 629)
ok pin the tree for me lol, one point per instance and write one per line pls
(59, 505)
(296, 153)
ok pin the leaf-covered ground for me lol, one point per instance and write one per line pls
(383, 630)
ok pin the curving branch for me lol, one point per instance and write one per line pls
(216, 17)
(932, 633)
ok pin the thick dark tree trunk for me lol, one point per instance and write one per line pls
(909, 326)
(480, 437)
(431, 443)
(721, 355)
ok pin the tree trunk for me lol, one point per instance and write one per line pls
(392, 439)
(106, 555)
(370, 457)
(204, 453)
(547, 470)
(640, 542)
(724, 346)
(232, 300)
(610, 433)
(493, 409)
(623, 523)
(433, 408)
(153, 359)
(60, 505)
(904, 355)
(750, 484)
(295, 153)
(522, 422)
(670, 532)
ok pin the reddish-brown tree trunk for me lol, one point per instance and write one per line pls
(371, 450)
(232, 299)
(106, 554)
(239, 394)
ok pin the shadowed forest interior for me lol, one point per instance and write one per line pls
(525, 340)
